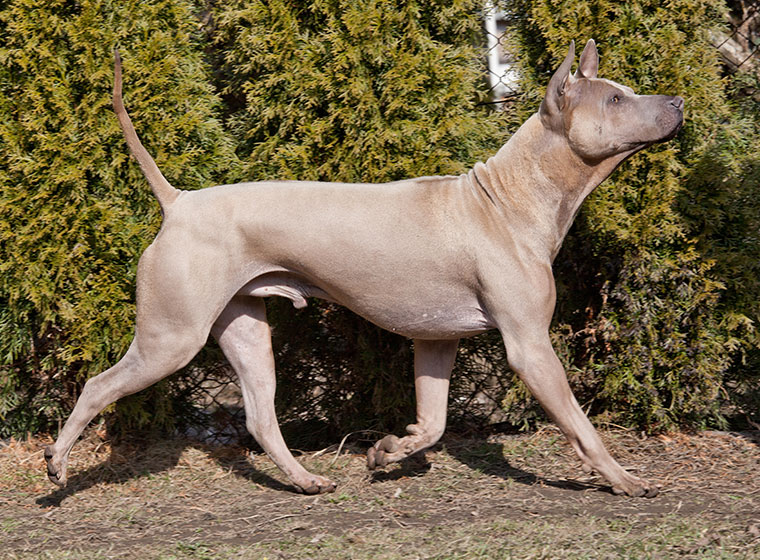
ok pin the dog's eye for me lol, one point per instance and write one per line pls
(614, 99)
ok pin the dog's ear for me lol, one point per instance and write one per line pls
(589, 63)
(555, 92)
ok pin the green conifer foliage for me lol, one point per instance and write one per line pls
(646, 324)
(360, 91)
(76, 213)
(722, 206)
(363, 91)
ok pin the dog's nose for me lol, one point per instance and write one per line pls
(677, 102)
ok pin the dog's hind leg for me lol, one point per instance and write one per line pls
(156, 351)
(433, 362)
(244, 335)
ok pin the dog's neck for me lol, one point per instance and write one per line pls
(536, 182)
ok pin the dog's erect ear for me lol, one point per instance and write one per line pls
(552, 103)
(589, 63)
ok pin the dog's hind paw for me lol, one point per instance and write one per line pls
(317, 485)
(640, 489)
(56, 468)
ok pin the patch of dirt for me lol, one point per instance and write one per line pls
(126, 496)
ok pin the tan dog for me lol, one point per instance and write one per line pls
(434, 259)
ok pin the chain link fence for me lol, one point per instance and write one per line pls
(213, 409)
(739, 44)
(503, 79)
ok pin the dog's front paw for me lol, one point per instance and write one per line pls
(376, 455)
(375, 459)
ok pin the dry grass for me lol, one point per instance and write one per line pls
(508, 496)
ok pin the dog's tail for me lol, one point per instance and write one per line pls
(162, 189)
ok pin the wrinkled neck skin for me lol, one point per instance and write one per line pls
(537, 184)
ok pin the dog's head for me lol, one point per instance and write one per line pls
(601, 118)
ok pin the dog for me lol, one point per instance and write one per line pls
(434, 259)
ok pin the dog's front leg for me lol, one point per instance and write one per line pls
(533, 359)
(244, 335)
(433, 362)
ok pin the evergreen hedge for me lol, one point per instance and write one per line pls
(659, 287)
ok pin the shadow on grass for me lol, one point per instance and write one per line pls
(129, 461)
(488, 458)
(751, 436)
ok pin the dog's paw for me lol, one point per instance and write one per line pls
(373, 460)
(317, 485)
(376, 455)
(55, 467)
(638, 489)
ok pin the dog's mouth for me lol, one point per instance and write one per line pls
(675, 131)
(667, 119)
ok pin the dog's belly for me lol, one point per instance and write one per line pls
(422, 315)
(426, 316)
(434, 324)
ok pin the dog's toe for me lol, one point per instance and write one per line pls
(376, 458)
(377, 454)
(371, 458)
(389, 443)
(641, 490)
(652, 491)
(380, 458)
